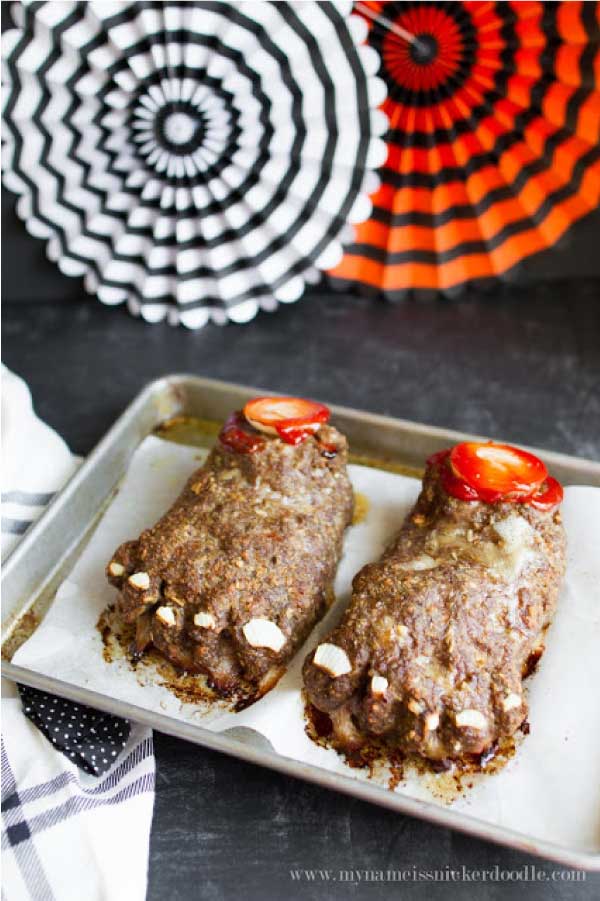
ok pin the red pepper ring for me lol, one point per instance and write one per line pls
(497, 471)
(293, 419)
(438, 458)
(456, 487)
(450, 482)
(236, 436)
(545, 496)
(294, 435)
(548, 496)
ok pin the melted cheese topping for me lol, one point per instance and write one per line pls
(517, 548)
(507, 559)
(419, 563)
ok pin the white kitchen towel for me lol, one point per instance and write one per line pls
(66, 834)
(36, 462)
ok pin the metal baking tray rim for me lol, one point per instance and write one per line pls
(178, 382)
(365, 791)
(175, 387)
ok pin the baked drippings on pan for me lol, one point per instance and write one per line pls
(197, 432)
(23, 630)
(386, 764)
(361, 507)
(190, 430)
(118, 641)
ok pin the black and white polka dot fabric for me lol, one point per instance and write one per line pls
(89, 738)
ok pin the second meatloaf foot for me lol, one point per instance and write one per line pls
(432, 651)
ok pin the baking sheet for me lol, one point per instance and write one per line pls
(551, 790)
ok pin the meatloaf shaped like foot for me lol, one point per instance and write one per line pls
(233, 577)
(433, 648)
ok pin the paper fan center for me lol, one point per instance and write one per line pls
(179, 137)
(424, 50)
(439, 60)
(179, 128)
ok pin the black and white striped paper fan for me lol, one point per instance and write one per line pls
(194, 160)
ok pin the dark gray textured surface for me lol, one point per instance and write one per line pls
(524, 365)
(519, 363)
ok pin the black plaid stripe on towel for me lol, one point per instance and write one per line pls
(75, 824)
(67, 835)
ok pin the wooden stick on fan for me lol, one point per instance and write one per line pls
(387, 24)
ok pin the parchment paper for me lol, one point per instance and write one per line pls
(550, 790)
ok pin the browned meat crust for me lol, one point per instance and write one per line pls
(252, 535)
(447, 619)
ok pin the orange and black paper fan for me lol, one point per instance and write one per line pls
(493, 141)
